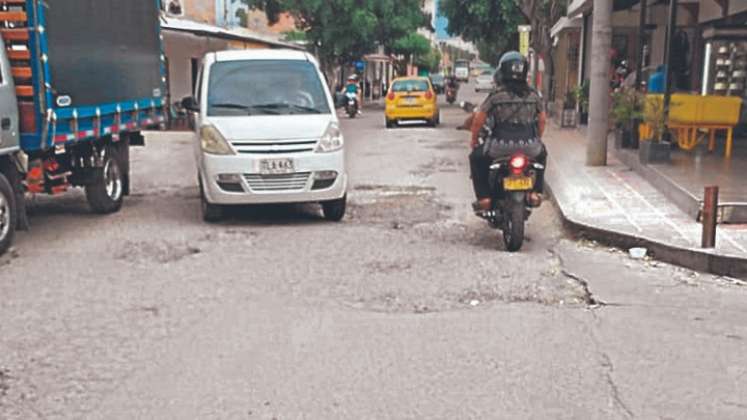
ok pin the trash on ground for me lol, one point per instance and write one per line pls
(638, 253)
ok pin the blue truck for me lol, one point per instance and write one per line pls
(80, 80)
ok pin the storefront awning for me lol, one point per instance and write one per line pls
(377, 57)
(725, 33)
(564, 24)
(584, 6)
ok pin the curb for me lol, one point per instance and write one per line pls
(694, 259)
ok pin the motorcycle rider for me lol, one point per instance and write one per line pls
(452, 86)
(512, 119)
(352, 87)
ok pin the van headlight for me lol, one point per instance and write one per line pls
(213, 142)
(331, 140)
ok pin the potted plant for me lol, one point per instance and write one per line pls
(568, 116)
(655, 147)
(627, 110)
(581, 94)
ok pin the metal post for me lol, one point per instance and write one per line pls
(641, 36)
(710, 217)
(706, 69)
(671, 28)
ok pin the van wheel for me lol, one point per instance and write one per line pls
(8, 214)
(105, 194)
(334, 210)
(389, 123)
(211, 213)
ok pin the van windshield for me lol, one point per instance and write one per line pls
(265, 87)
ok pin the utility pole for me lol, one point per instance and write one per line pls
(601, 42)
(668, 55)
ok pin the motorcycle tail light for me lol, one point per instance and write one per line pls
(518, 163)
(391, 96)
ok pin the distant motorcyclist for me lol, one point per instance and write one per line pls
(351, 87)
(451, 88)
(512, 119)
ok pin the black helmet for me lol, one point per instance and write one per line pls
(512, 67)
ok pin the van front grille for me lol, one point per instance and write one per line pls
(274, 147)
(281, 182)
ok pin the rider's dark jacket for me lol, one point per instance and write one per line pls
(512, 122)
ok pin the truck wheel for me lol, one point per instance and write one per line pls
(334, 210)
(211, 213)
(8, 214)
(105, 193)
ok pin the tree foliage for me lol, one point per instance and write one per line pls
(344, 30)
(412, 44)
(490, 24)
(493, 23)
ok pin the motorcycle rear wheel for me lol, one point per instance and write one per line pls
(513, 229)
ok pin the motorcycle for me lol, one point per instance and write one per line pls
(451, 95)
(351, 106)
(511, 179)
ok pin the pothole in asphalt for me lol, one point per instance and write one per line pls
(159, 251)
(178, 191)
(395, 207)
(443, 165)
(5, 379)
(457, 144)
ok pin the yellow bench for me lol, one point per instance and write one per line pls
(690, 113)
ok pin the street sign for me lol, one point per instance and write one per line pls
(524, 31)
(360, 65)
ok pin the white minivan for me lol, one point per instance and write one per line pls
(266, 131)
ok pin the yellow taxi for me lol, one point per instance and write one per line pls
(412, 99)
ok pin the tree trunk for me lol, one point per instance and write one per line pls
(601, 42)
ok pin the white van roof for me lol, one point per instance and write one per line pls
(263, 54)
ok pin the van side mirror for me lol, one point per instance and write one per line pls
(190, 104)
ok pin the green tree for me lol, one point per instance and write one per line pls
(412, 45)
(489, 22)
(494, 23)
(430, 61)
(342, 31)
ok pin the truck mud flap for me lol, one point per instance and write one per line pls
(136, 139)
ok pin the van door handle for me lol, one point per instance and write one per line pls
(5, 124)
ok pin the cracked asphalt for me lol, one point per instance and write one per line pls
(409, 309)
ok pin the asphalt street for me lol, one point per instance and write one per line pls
(408, 309)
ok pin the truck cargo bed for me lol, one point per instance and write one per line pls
(84, 69)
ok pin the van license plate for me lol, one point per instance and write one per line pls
(521, 183)
(276, 166)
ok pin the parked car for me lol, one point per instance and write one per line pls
(439, 83)
(484, 81)
(267, 132)
(412, 99)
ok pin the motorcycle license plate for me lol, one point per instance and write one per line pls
(519, 183)
(276, 166)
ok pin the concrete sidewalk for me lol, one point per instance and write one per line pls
(616, 206)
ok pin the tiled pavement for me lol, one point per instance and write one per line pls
(616, 199)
